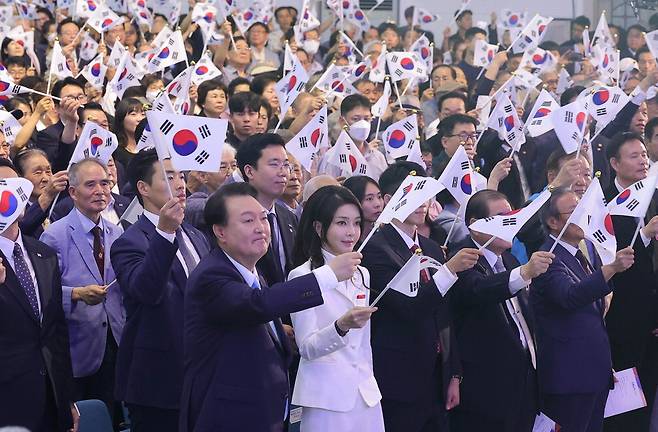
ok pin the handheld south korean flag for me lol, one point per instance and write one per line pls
(334, 81)
(413, 191)
(570, 122)
(205, 70)
(58, 65)
(346, 156)
(103, 19)
(192, 143)
(604, 103)
(14, 196)
(291, 85)
(399, 138)
(538, 60)
(127, 75)
(425, 50)
(634, 200)
(171, 53)
(422, 17)
(407, 281)
(9, 126)
(94, 142)
(94, 72)
(405, 65)
(532, 34)
(539, 120)
(513, 19)
(7, 88)
(458, 177)
(484, 53)
(507, 225)
(314, 136)
(505, 120)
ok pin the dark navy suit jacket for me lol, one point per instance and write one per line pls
(236, 371)
(573, 351)
(152, 280)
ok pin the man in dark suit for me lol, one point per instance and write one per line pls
(494, 330)
(631, 315)
(414, 357)
(574, 366)
(35, 365)
(264, 164)
(236, 353)
(152, 261)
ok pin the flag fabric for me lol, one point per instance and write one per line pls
(14, 195)
(379, 108)
(127, 75)
(346, 156)
(334, 81)
(539, 120)
(94, 72)
(205, 70)
(513, 19)
(593, 217)
(400, 137)
(58, 65)
(606, 61)
(570, 123)
(359, 18)
(132, 212)
(425, 51)
(532, 34)
(86, 8)
(604, 103)
(169, 9)
(192, 143)
(378, 66)
(160, 104)
(117, 54)
(314, 136)
(308, 20)
(6, 13)
(538, 60)
(505, 120)
(88, 47)
(357, 72)
(287, 58)
(171, 53)
(407, 279)
(26, 10)
(291, 85)
(179, 86)
(161, 38)
(104, 19)
(119, 6)
(141, 12)
(413, 191)
(564, 81)
(94, 142)
(602, 32)
(458, 178)
(484, 53)
(422, 17)
(226, 7)
(416, 155)
(8, 88)
(204, 12)
(634, 200)
(405, 65)
(506, 226)
(9, 126)
(245, 19)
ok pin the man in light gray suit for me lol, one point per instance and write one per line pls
(90, 296)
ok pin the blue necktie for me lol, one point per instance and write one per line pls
(25, 278)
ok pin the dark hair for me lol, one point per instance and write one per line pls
(208, 86)
(559, 156)
(463, 13)
(354, 101)
(550, 46)
(453, 73)
(570, 93)
(141, 168)
(123, 108)
(394, 175)
(4, 162)
(643, 49)
(149, 79)
(320, 207)
(244, 101)
(650, 128)
(59, 85)
(447, 125)
(216, 212)
(478, 204)
(470, 33)
(451, 95)
(618, 141)
(20, 160)
(259, 24)
(259, 83)
(638, 27)
(388, 26)
(581, 20)
(251, 150)
(357, 185)
(550, 210)
(89, 106)
(13, 103)
(65, 21)
(236, 82)
(15, 61)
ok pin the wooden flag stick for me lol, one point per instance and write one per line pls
(484, 246)
(368, 237)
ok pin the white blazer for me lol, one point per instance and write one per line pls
(334, 370)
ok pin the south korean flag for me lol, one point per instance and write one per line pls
(604, 103)
(405, 65)
(192, 143)
(314, 136)
(539, 120)
(346, 156)
(14, 196)
(94, 142)
(634, 200)
(9, 126)
(400, 137)
(291, 85)
(173, 52)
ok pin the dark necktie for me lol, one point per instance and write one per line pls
(274, 244)
(583, 262)
(424, 273)
(25, 278)
(190, 262)
(99, 249)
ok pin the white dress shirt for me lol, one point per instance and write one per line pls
(154, 218)
(7, 248)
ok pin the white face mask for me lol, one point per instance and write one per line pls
(311, 46)
(151, 95)
(360, 130)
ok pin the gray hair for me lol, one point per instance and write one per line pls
(74, 171)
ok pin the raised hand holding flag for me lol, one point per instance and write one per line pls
(314, 136)
(94, 142)
(484, 53)
(399, 138)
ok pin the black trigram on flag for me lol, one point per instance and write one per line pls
(394, 58)
(108, 141)
(363, 168)
(413, 287)
(155, 61)
(205, 131)
(159, 106)
(300, 86)
(568, 117)
(509, 221)
(508, 108)
(601, 111)
(632, 204)
(455, 182)
(639, 185)
(546, 104)
(166, 127)
(15, 89)
(3, 182)
(342, 158)
(511, 136)
(615, 99)
(599, 236)
(487, 219)
(303, 142)
(400, 204)
(398, 72)
(574, 136)
(465, 165)
(60, 67)
(321, 119)
(2, 226)
(420, 185)
(202, 157)
(7, 132)
(408, 126)
(21, 193)
(536, 122)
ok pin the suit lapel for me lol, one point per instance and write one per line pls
(44, 286)
(83, 246)
(287, 232)
(11, 281)
(397, 244)
(119, 207)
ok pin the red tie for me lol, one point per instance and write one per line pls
(424, 273)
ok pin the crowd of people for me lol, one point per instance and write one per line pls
(243, 298)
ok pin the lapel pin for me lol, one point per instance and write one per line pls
(38, 254)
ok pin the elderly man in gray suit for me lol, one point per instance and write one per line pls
(90, 295)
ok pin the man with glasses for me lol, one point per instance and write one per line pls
(57, 138)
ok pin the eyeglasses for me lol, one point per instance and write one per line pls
(79, 98)
(464, 136)
(279, 165)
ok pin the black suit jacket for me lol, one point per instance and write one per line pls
(65, 206)
(287, 230)
(34, 356)
(494, 361)
(407, 330)
(632, 311)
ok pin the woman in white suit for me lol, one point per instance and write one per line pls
(335, 383)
